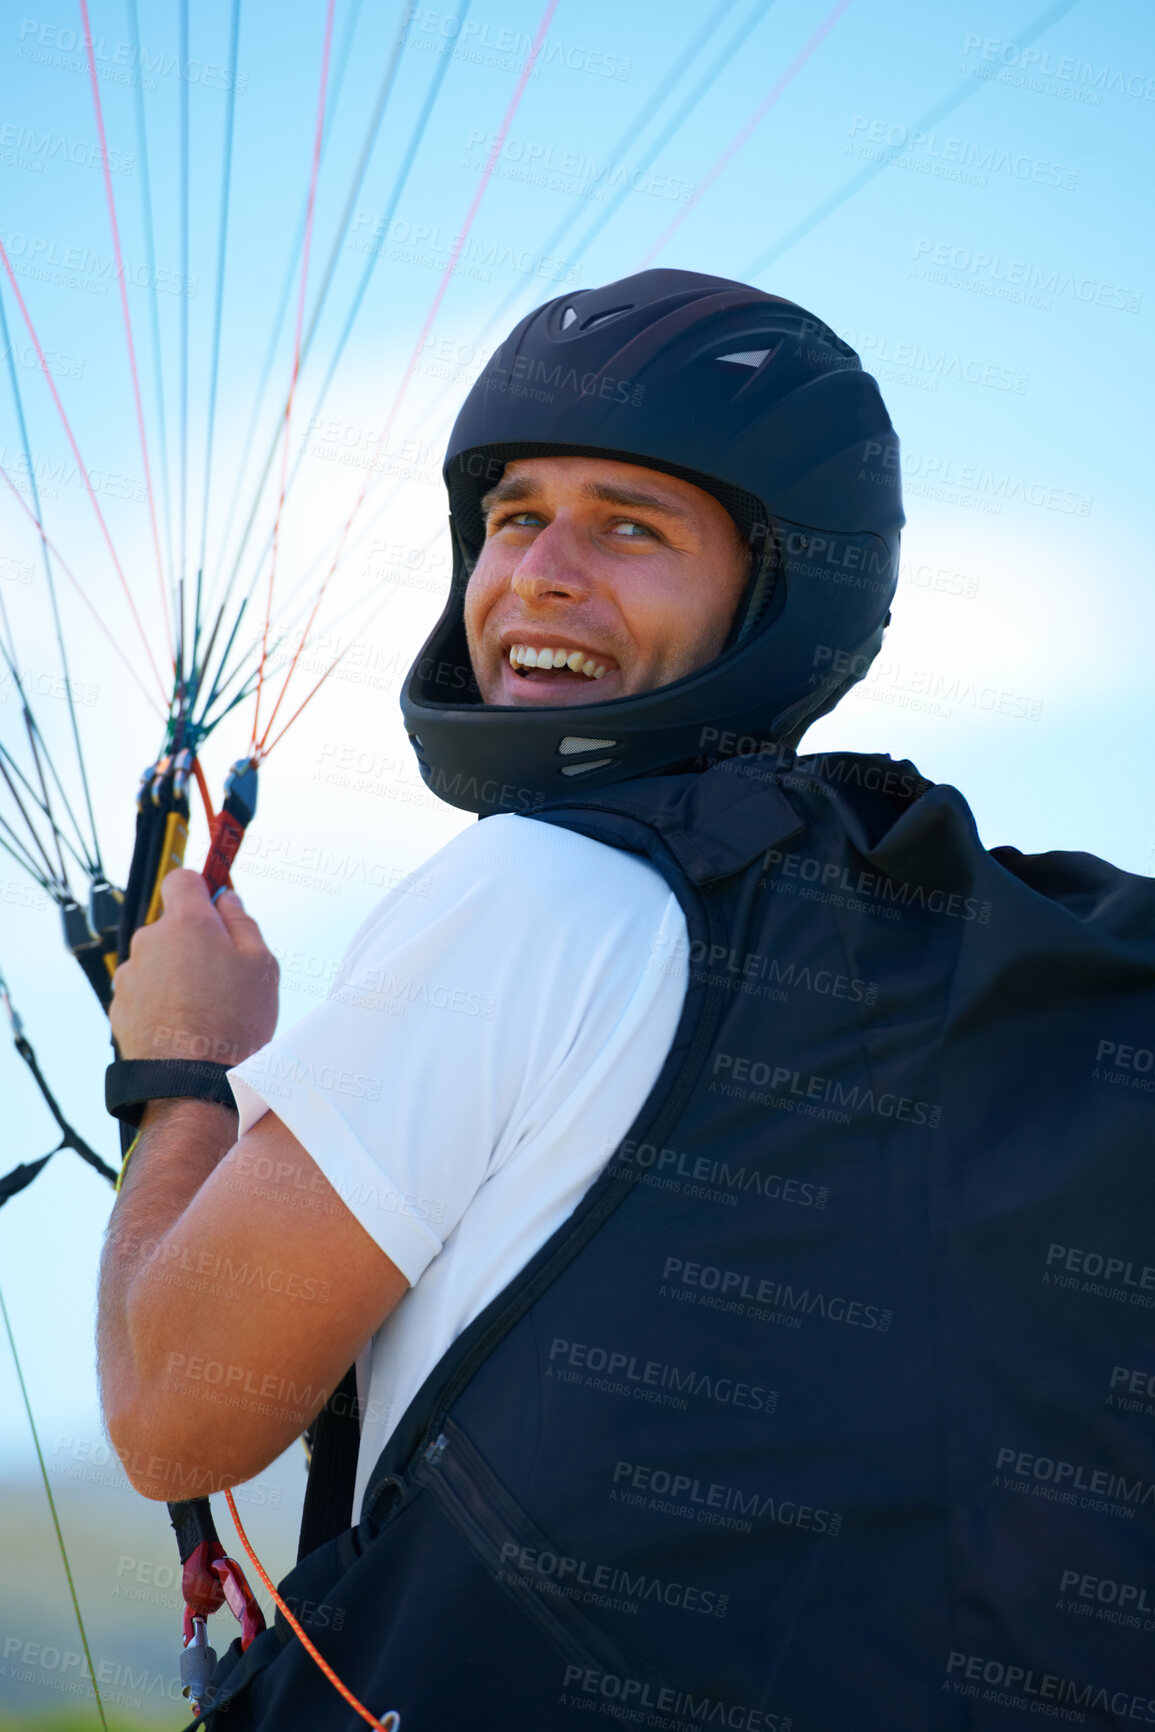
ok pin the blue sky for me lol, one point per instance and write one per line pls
(993, 270)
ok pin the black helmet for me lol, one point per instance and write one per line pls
(747, 396)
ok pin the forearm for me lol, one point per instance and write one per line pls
(220, 1337)
(144, 1301)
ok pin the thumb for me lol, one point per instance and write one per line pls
(225, 899)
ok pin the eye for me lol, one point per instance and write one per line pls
(516, 518)
(632, 524)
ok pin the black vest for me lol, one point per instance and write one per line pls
(832, 1405)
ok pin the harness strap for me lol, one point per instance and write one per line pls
(130, 1082)
(333, 1447)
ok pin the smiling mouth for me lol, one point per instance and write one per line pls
(563, 664)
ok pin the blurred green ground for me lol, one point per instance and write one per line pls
(87, 1720)
(126, 1569)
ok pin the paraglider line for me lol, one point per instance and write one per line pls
(183, 58)
(442, 287)
(218, 304)
(121, 283)
(35, 491)
(743, 133)
(51, 383)
(386, 218)
(52, 1507)
(275, 324)
(312, 206)
(941, 109)
(75, 581)
(150, 260)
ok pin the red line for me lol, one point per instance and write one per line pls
(127, 320)
(311, 694)
(755, 119)
(296, 357)
(494, 152)
(75, 581)
(79, 462)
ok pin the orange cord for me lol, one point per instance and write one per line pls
(392, 1720)
(206, 797)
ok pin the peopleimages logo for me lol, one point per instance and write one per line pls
(1071, 1482)
(1045, 63)
(831, 874)
(741, 1075)
(712, 1502)
(1025, 1687)
(624, 1698)
(1018, 280)
(1108, 1275)
(590, 384)
(741, 1284)
(557, 1573)
(956, 158)
(651, 1379)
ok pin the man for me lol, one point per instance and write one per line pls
(703, 1175)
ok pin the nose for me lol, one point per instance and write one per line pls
(551, 565)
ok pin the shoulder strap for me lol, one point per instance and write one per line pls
(333, 1446)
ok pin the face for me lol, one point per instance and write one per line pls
(628, 576)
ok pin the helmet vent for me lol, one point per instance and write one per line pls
(578, 743)
(601, 318)
(580, 769)
(745, 357)
(568, 318)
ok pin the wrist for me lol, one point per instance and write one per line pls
(189, 1112)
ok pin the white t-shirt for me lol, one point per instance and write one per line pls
(484, 1049)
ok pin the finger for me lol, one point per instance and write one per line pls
(184, 892)
(241, 927)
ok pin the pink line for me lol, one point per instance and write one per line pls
(755, 119)
(495, 151)
(75, 581)
(127, 320)
(79, 462)
(318, 136)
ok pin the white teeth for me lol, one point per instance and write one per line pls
(523, 655)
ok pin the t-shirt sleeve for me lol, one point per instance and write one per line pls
(452, 1018)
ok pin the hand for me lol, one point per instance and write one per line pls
(199, 983)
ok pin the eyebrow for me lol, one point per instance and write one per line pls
(520, 487)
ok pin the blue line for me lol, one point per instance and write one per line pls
(671, 79)
(671, 128)
(286, 290)
(226, 182)
(386, 86)
(93, 865)
(153, 299)
(398, 187)
(941, 109)
(184, 250)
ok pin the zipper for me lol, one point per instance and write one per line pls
(485, 1515)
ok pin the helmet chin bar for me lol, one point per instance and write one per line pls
(742, 394)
